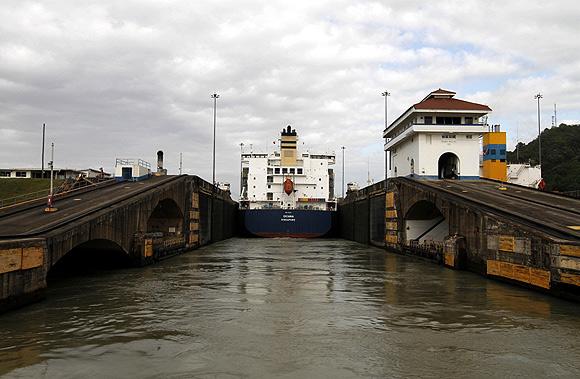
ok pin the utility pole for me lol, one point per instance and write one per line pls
(180, 163)
(386, 94)
(368, 171)
(43, 133)
(49, 206)
(518, 143)
(555, 116)
(241, 170)
(538, 97)
(214, 96)
(342, 171)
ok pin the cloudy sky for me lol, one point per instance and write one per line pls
(127, 78)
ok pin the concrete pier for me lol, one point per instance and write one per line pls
(512, 233)
(142, 221)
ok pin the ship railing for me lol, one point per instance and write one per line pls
(131, 161)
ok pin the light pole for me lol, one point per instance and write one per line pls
(214, 96)
(50, 204)
(386, 94)
(342, 171)
(241, 170)
(538, 97)
(43, 133)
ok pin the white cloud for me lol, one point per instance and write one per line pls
(128, 78)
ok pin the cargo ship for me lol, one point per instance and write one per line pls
(287, 193)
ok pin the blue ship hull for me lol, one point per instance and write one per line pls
(296, 223)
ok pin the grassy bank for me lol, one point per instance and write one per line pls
(14, 187)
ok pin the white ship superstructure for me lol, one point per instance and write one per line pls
(288, 178)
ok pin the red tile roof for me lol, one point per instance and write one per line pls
(451, 104)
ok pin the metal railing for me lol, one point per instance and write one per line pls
(10, 201)
(60, 191)
(131, 161)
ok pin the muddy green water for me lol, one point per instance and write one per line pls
(265, 308)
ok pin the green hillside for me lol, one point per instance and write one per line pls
(560, 157)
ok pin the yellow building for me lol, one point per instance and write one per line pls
(494, 154)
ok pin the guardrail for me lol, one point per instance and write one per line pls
(10, 201)
(40, 195)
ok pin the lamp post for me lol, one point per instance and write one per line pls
(214, 96)
(50, 203)
(538, 97)
(241, 170)
(386, 94)
(43, 133)
(51, 175)
(342, 171)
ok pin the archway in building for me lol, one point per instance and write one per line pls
(448, 166)
(90, 257)
(166, 218)
(425, 223)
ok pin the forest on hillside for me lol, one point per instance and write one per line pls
(560, 157)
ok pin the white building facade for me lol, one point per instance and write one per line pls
(437, 138)
(264, 175)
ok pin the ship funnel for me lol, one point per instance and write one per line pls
(159, 160)
(160, 169)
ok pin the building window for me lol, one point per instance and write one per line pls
(468, 136)
(448, 120)
(5, 174)
(428, 120)
(299, 171)
(276, 171)
(448, 136)
(292, 171)
(469, 120)
(284, 171)
(21, 174)
(269, 196)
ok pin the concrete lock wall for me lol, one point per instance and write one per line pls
(25, 262)
(470, 238)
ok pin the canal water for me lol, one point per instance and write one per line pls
(286, 308)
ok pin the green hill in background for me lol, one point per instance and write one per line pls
(560, 157)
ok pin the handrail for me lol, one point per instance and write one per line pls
(26, 196)
(45, 193)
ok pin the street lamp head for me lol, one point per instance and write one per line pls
(538, 96)
(215, 96)
(386, 93)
